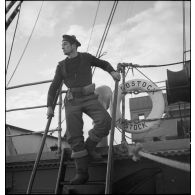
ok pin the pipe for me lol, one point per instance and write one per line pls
(169, 162)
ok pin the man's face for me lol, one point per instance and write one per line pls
(66, 47)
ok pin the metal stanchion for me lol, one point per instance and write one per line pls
(108, 189)
(32, 177)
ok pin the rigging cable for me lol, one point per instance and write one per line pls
(93, 24)
(106, 29)
(26, 44)
(105, 32)
(13, 40)
(146, 76)
(184, 36)
(129, 13)
(152, 66)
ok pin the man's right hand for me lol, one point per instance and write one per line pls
(50, 112)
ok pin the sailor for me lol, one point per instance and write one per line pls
(76, 73)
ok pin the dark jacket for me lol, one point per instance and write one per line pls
(75, 72)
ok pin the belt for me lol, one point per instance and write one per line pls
(81, 91)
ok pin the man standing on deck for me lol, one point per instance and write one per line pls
(75, 72)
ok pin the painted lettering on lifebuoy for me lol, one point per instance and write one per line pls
(139, 83)
(137, 126)
(157, 105)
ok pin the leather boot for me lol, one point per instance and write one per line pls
(90, 146)
(82, 174)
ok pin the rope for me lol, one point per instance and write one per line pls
(149, 66)
(169, 162)
(146, 76)
(107, 28)
(93, 24)
(26, 44)
(105, 32)
(13, 40)
(125, 134)
(136, 151)
(129, 65)
(145, 66)
(129, 13)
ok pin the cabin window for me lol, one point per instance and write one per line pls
(141, 116)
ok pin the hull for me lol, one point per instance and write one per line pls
(129, 177)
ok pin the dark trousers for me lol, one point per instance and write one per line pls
(74, 110)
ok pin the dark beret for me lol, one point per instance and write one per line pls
(72, 39)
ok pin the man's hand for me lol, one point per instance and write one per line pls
(50, 112)
(116, 75)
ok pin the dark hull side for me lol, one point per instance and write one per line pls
(129, 177)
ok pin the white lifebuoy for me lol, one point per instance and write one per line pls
(158, 105)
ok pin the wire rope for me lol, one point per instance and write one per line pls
(26, 44)
(105, 32)
(106, 29)
(93, 25)
(13, 40)
(184, 36)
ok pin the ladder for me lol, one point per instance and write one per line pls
(108, 183)
(61, 174)
(61, 182)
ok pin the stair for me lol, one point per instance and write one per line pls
(95, 185)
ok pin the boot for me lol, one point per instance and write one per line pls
(82, 174)
(90, 146)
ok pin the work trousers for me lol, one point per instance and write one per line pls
(74, 110)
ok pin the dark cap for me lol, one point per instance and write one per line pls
(72, 39)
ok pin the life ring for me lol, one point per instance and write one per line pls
(158, 105)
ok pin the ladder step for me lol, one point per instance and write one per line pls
(87, 183)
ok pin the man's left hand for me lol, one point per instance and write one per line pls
(116, 75)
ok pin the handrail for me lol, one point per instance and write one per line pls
(31, 133)
(27, 108)
(32, 177)
(108, 188)
(28, 84)
(60, 123)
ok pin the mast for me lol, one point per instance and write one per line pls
(9, 6)
(12, 16)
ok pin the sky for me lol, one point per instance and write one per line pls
(142, 32)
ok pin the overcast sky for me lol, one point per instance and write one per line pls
(142, 32)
